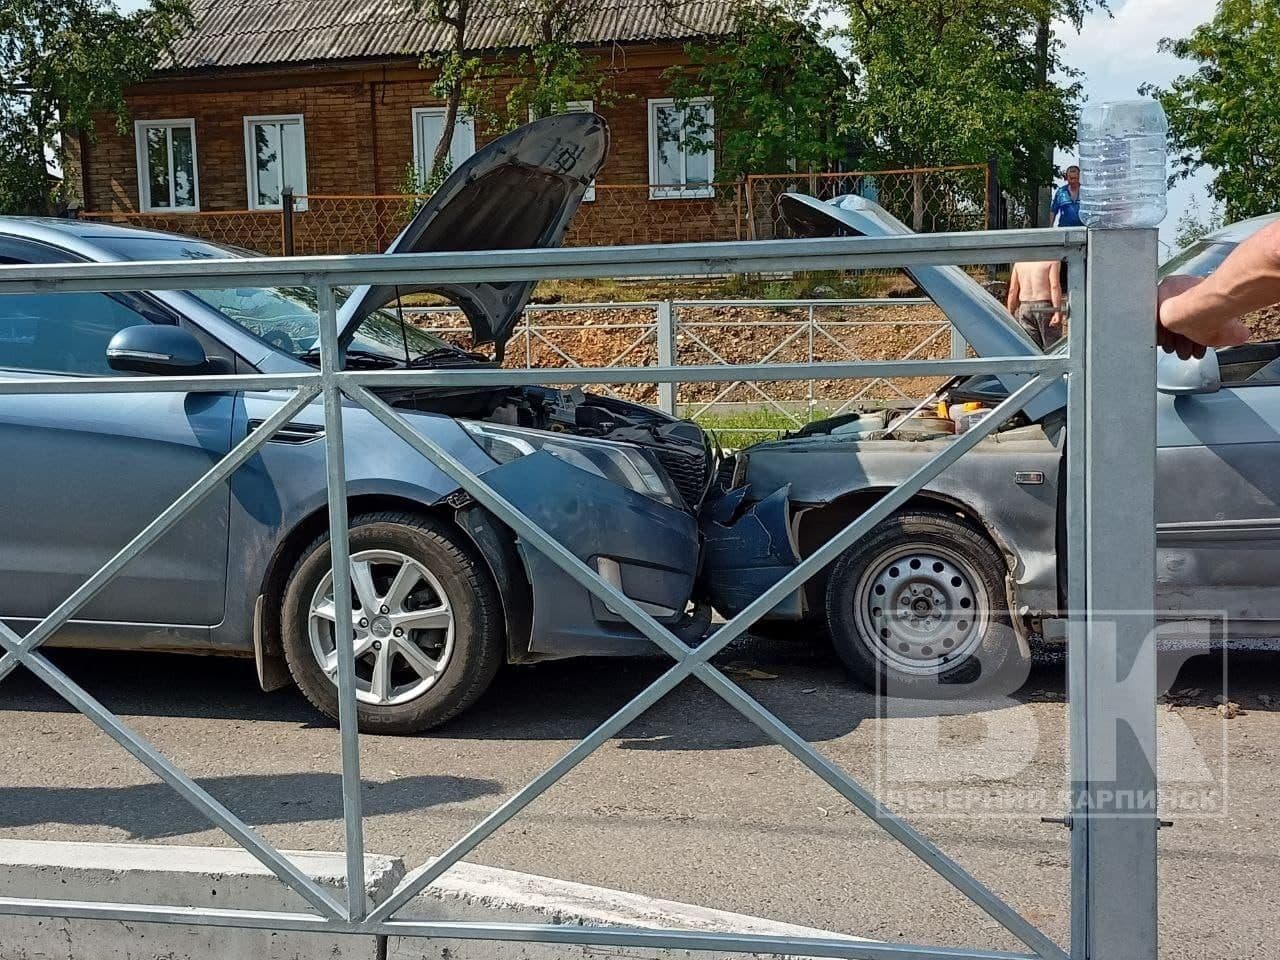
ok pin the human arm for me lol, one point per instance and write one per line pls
(1055, 295)
(1015, 292)
(1208, 311)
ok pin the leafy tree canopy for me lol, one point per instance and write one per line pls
(1225, 114)
(897, 83)
(782, 92)
(61, 62)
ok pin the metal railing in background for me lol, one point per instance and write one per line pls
(931, 200)
(733, 333)
(1110, 566)
(927, 199)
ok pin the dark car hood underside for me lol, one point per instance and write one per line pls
(520, 191)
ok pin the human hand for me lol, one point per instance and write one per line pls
(1185, 327)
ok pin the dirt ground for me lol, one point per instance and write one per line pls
(735, 335)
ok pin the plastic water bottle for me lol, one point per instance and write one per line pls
(1123, 155)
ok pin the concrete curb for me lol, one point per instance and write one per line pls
(231, 878)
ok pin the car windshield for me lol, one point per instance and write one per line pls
(288, 318)
(1198, 260)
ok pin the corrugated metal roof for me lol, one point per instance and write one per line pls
(241, 33)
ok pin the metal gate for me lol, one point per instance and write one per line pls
(1110, 475)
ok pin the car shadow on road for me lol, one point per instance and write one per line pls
(800, 681)
(154, 811)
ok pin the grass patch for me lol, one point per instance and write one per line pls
(742, 428)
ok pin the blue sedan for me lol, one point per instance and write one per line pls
(443, 594)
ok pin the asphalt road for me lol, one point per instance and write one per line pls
(691, 802)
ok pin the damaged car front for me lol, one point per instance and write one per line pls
(949, 589)
(443, 592)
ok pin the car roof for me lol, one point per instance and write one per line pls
(79, 235)
(1241, 229)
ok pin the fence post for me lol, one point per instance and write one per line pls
(993, 194)
(1111, 594)
(666, 355)
(959, 345)
(286, 221)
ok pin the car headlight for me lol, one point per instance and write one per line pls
(625, 465)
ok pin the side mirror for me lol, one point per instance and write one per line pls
(156, 348)
(1186, 377)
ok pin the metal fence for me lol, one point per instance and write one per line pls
(734, 333)
(1110, 553)
(931, 200)
(927, 199)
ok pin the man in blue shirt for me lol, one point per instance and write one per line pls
(1065, 210)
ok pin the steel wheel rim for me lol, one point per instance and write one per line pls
(404, 627)
(921, 608)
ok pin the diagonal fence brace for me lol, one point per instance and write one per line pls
(23, 651)
(694, 661)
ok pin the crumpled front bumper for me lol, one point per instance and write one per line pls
(649, 549)
(747, 548)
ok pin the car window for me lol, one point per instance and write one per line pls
(1198, 260)
(61, 332)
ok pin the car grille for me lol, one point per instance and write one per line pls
(688, 469)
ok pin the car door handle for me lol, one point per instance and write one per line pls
(292, 433)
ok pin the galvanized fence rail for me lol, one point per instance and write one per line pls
(1110, 551)
(804, 331)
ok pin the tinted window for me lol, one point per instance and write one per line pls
(61, 332)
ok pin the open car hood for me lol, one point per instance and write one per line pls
(518, 192)
(981, 319)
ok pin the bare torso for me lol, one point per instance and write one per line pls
(1034, 280)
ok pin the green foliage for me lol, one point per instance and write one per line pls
(1225, 113)
(957, 81)
(901, 83)
(549, 74)
(1193, 226)
(781, 93)
(62, 62)
(554, 71)
(457, 72)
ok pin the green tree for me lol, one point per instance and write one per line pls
(457, 71)
(554, 70)
(957, 81)
(781, 92)
(1224, 114)
(1193, 225)
(61, 63)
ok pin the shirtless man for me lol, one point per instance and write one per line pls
(1035, 299)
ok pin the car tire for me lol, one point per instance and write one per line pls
(432, 587)
(917, 609)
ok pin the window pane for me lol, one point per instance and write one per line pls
(698, 159)
(295, 158)
(158, 166)
(61, 332)
(667, 133)
(463, 145)
(430, 127)
(266, 146)
(184, 168)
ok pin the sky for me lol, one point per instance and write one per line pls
(1117, 53)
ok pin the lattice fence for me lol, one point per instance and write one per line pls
(928, 200)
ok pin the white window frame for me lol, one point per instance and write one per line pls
(251, 160)
(420, 159)
(678, 191)
(140, 128)
(578, 106)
